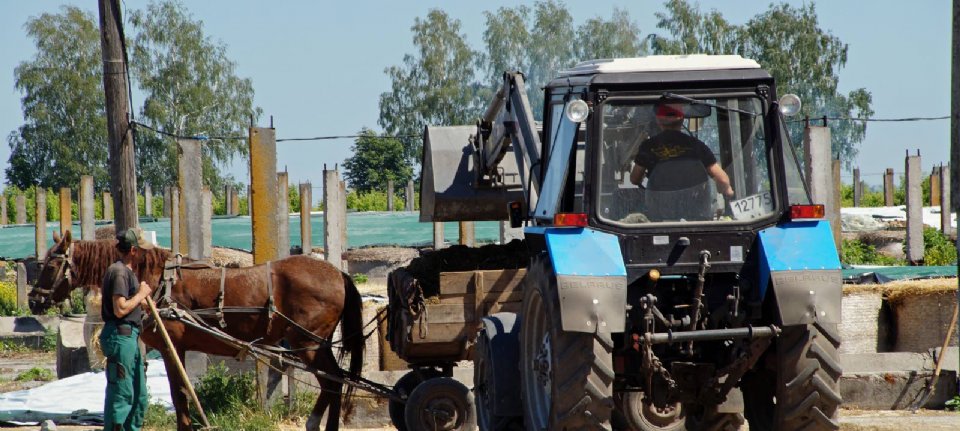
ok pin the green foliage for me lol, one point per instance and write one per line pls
(376, 160)
(938, 249)
(616, 38)
(8, 347)
(377, 201)
(158, 418)
(64, 133)
(293, 198)
(49, 343)
(855, 252)
(244, 206)
(359, 278)
(218, 390)
(953, 404)
(36, 374)
(789, 43)
(77, 303)
(8, 299)
(190, 88)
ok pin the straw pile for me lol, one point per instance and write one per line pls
(861, 326)
(922, 309)
(92, 326)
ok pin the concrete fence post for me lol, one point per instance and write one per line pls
(438, 241)
(389, 195)
(306, 228)
(914, 198)
(262, 194)
(888, 187)
(21, 207)
(66, 211)
(23, 291)
(87, 215)
(837, 195)
(857, 187)
(410, 196)
(147, 200)
(234, 202)
(175, 221)
(508, 233)
(935, 187)
(40, 223)
(946, 222)
(190, 182)
(206, 226)
(283, 216)
(819, 170)
(343, 220)
(468, 235)
(332, 208)
(228, 200)
(3, 210)
(166, 201)
(107, 206)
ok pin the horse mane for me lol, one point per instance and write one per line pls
(91, 259)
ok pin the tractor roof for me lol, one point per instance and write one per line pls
(662, 63)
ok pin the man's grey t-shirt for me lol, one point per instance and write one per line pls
(120, 280)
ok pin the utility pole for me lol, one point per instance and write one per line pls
(123, 178)
(955, 121)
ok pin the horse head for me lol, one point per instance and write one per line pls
(54, 283)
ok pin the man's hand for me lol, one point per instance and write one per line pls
(728, 193)
(144, 291)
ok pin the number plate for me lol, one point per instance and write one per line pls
(752, 207)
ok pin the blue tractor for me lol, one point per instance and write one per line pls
(679, 276)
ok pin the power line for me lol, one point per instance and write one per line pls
(874, 120)
(226, 138)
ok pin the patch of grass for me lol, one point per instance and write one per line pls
(953, 404)
(8, 299)
(77, 304)
(855, 252)
(937, 248)
(359, 278)
(49, 343)
(36, 374)
(158, 418)
(12, 347)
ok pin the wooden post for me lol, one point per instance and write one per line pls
(389, 195)
(107, 206)
(935, 187)
(123, 177)
(23, 291)
(206, 226)
(190, 183)
(946, 220)
(283, 216)
(147, 200)
(819, 170)
(234, 202)
(262, 199)
(66, 211)
(410, 196)
(333, 206)
(954, 203)
(343, 220)
(40, 223)
(468, 236)
(888, 187)
(21, 203)
(3, 210)
(857, 187)
(914, 200)
(166, 201)
(175, 221)
(438, 240)
(228, 200)
(87, 215)
(836, 195)
(306, 229)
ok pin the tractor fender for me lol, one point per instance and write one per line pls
(502, 334)
(591, 278)
(799, 262)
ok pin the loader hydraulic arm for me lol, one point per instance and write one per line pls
(508, 122)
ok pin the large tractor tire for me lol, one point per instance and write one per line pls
(566, 377)
(496, 374)
(405, 386)
(797, 386)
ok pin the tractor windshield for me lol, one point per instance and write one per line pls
(679, 159)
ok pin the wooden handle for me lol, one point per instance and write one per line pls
(176, 359)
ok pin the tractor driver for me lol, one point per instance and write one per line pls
(679, 157)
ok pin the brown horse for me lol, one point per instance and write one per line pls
(310, 292)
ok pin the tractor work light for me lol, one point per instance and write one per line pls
(789, 105)
(806, 212)
(570, 220)
(577, 111)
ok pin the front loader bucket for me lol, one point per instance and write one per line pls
(448, 187)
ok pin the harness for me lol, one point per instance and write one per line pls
(64, 274)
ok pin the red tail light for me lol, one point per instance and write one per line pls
(570, 220)
(800, 212)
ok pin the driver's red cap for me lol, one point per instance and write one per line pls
(669, 110)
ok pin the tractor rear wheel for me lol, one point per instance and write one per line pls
(797, 387)
(566, 377)
(639, 414)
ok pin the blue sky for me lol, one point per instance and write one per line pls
(317, 66)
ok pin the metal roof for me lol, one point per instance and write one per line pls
(661, 63)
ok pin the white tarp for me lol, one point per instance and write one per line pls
(865, 218)
(76, 399)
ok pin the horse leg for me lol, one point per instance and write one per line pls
(176, 390)
(330, 397)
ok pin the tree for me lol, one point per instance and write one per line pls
(435, 86)
(375, 160)
(64, 131)
(619, 37)
(191, 89)
(789, 43)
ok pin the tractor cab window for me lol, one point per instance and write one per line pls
(682, 159)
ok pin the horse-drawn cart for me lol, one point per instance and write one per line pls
(433, 331)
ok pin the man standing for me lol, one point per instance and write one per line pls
(126, 399)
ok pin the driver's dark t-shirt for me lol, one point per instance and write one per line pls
(678, 147)
(120, 280)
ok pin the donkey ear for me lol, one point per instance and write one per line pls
(56, 237)
(67, 238)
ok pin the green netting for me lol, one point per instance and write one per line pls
(363, 229)
(888, 273)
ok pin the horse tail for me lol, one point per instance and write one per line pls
(352, 330)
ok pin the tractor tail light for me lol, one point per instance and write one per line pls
(806, 212)
(570, 220)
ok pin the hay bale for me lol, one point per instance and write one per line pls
(92, 326)
(923, 310)
(231, 257)
(389, 361)
(371, 349)
(860, 324)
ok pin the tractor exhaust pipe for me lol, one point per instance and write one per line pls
(711, 335)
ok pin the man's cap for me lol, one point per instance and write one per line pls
(669, 110)
(132, 238)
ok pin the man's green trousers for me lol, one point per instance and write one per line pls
(127, 397)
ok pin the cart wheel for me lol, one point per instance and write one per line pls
(440, 404)
(641, 415)
(405, 386)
